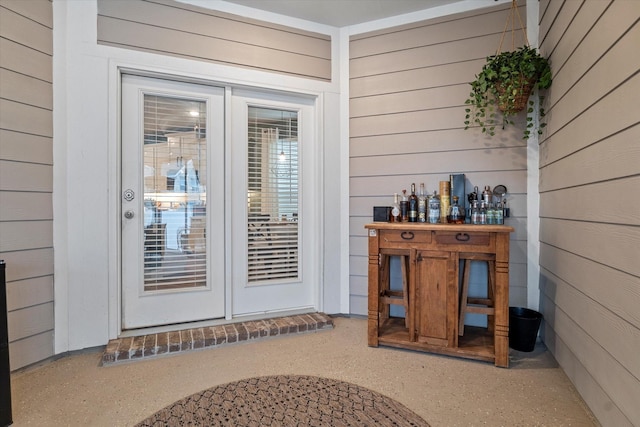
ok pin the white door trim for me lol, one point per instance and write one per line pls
(119, 67)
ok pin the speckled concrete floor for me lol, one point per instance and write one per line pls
(76, 391)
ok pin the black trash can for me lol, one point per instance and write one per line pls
(5, 371)
(523, 328)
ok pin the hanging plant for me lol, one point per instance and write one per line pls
(507, 80)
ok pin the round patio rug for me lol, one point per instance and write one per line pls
(285, 400)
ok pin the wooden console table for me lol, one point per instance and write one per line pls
(431, 321)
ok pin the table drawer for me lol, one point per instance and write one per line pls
(465, 239)
(393, 238)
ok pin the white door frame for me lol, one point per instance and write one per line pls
(231, 84)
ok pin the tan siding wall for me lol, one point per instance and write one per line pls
(177, 29)
(407, 90)
(26, 214)
(589, 205)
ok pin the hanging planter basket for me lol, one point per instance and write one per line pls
(505, 83)
(520, 93)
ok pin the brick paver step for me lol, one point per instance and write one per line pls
(158, 344)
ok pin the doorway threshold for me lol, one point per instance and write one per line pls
(159, 344)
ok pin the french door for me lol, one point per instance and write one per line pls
(275, 159)
(202, 244)
(172, 182)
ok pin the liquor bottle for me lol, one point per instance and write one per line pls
(445, 200)
(395, 210)
(404, 207)
(458, 188)
(483, 213)
(434, 208)
(471, 198)
(475, 213)
(499, 215)
(422, 204)
(413, 204)
(456, 213)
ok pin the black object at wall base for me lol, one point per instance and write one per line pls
(5, 371)
(523, 328)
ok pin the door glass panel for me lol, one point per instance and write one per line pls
(175, 170)
(273, 202)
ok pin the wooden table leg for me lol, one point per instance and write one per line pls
(374, 289)
(501, 332)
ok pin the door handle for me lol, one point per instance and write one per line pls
(463, 237)
(128, 214)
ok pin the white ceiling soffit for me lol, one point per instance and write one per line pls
(342, 13)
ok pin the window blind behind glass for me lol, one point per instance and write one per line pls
(175, 173)
(273, 198)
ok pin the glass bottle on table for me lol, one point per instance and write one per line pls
(434, 208)
(499, 215)
(422, 204)
(395, 209)
(456, 213)
(413, 204)
(471, 198)
(483, 213)
(491, 214)
(475, 213)
(404, 207)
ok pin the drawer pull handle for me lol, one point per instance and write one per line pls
(407, 235)
(462, 237)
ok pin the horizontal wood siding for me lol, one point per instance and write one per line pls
(177, 29)
(589, 205)
(26, 159)
(407, 90)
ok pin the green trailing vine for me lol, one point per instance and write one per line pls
(505, 83)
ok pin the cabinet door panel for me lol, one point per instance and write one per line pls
(435, 273)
